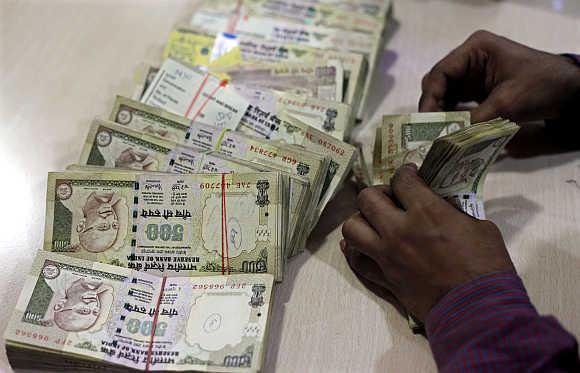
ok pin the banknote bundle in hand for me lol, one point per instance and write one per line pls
(164, 239)
(407, 138)
(453, 155)
(457, 164)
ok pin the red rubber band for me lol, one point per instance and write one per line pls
(196, 95)
(154, 327)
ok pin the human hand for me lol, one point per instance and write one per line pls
(507, 79)
(410, 243)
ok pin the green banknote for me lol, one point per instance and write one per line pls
(193, 224)
(407, 138)
(115, 146)
(375, 8)
(263, 115)
(323, 80)
(331, 117)
(340, 153)
(295, 161)
(78, 315)
(298, 12)
(457, 164)
(149, 119)
(130, 149)
(143, 75)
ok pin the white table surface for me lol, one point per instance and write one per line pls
(62, 62)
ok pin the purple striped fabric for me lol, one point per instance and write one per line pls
(489, 324)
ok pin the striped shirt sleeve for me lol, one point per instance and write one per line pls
(490, 324)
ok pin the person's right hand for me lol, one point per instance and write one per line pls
(507, 79)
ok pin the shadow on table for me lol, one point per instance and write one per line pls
(337, 211)
(382, 82)
(511, 214)
(283, 293)
(551, 277)
(340, 208)
(535, 140)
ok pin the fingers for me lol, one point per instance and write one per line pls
(495, 105)
(357, 231)
(410, 190)
(484, 112)
(370, 275)
(378, 209)
(435, 84)
(430, 103)
(363, 265)
(458, 77)
(434, 88)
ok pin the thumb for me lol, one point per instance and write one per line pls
(495, 105)
(410, 189)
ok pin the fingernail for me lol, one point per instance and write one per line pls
(342, 245)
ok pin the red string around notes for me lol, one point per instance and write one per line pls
(226, 260)
(154, 326)
(222, 84)
(235, 18)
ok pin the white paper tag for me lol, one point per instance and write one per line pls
(189, 92)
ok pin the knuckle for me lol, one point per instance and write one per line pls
(429, 212)
(347, 228)
(364, 196)
(503, 103)
(398, 238)
(426, 81)
(403, 178)
(480, 36)
(489, 226)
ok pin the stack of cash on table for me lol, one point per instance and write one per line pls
(162, 243)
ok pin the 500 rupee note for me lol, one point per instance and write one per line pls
(74, 314)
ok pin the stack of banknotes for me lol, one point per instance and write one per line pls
(454, 155)
(164, 240)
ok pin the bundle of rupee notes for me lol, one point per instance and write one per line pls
(163, 242)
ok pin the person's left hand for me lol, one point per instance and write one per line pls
(410, 245)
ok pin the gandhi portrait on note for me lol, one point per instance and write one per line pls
(104, 218)
(81, 305)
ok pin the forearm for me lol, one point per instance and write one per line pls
(490, 323)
